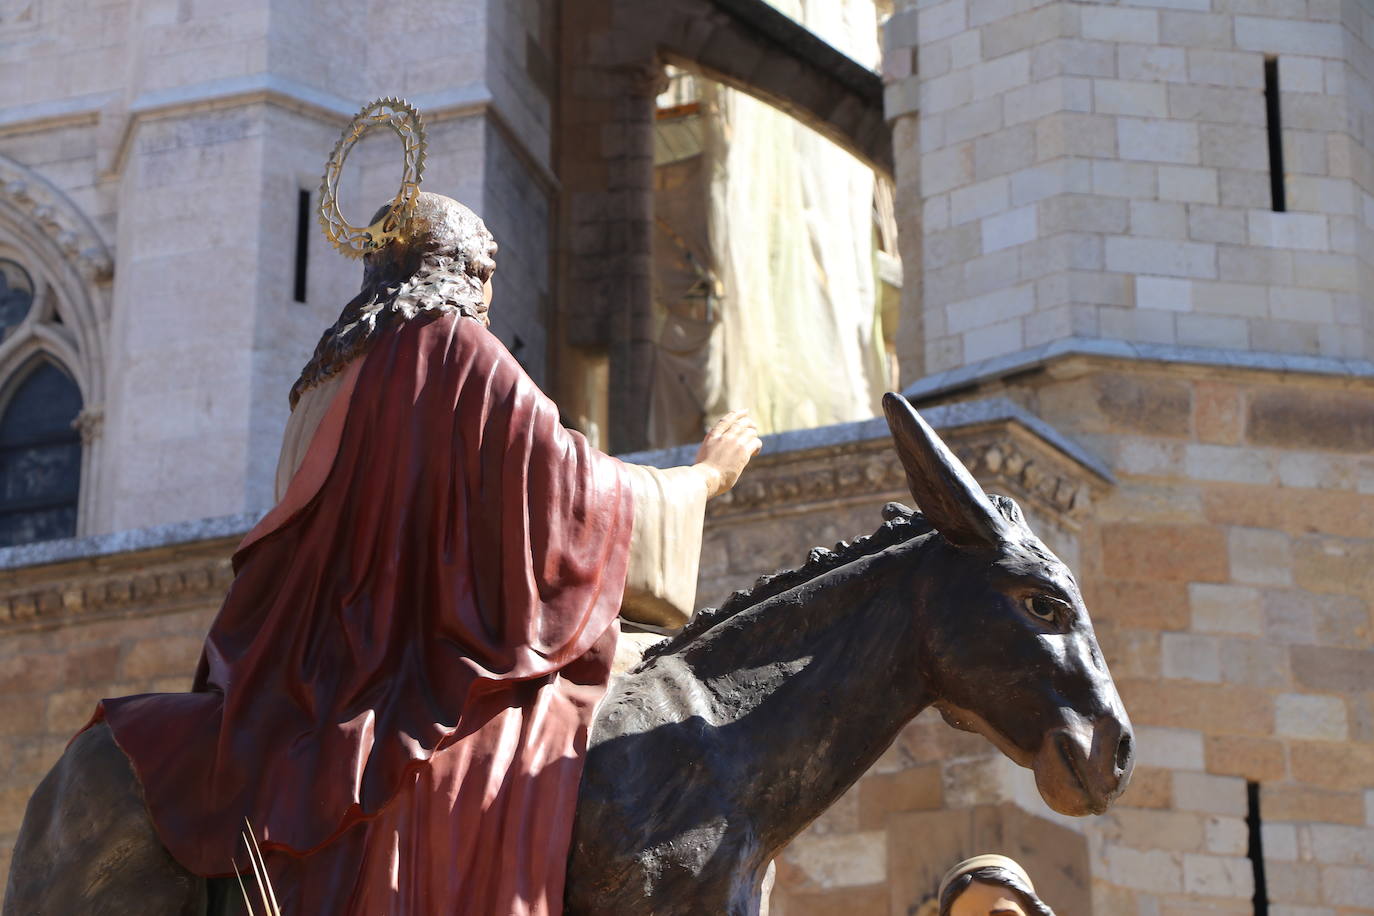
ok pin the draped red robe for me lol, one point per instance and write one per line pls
(398, 688)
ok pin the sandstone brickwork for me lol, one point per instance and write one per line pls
(1227, 572)
(74, 632)
(1100, 240)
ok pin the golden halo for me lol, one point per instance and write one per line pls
(404, 119)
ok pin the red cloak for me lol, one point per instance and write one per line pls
(398, 688)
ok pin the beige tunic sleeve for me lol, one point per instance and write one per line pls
(665, 550)
(300, 429)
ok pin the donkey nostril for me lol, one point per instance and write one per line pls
(1124, 749)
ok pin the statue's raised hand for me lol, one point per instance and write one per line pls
(726, 450)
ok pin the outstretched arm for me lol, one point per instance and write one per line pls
(670, 508)
(726, 451)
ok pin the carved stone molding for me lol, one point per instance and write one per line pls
(90, 423)
(646, 80)
(1015, 461)
(59, 219)
(187, 577)
(1004, 456)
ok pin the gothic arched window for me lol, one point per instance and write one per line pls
(56, 275)
(16, 295)
(40, 456)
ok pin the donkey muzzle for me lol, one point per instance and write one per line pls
(1081, 768)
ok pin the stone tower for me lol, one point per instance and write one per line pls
(1150, 223)
(1191, 175)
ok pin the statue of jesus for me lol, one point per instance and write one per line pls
(397, 691)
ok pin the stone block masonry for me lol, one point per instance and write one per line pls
(1263, 676)
(1067, 169)
(1026, 107)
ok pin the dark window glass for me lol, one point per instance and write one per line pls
(16, 295)
(40, 458)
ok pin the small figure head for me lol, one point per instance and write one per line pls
(1007, 647)
(989, 886)
(439, 236)
(442, 259)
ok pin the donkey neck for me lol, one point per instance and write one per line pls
(811, 685)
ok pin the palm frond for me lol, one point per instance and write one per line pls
(260, 877)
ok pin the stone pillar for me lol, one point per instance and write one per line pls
(187, 283)
(632, 339)
(902, 107)
(607, 169)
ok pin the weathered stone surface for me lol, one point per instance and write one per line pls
(1179, 553)
(1143, 605)
(1341, 670)
(914, 789)
(1216, 709)
(867, 901)
(1151, 787)
(1304, 804)
(1145, 406)
(1302, 420)
(1311, 717)
(1217, 413)
(1282, 509)
(1181, 831)
(1256, 759)
(837, 860)
(1330, 765)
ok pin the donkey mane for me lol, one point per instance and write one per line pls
(901, 524)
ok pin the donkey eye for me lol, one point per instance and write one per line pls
(1043, 607)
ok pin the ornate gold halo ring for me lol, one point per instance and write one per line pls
(404, 119)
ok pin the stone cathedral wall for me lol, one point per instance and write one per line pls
(1066, 171)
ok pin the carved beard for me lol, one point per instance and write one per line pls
(439, 283)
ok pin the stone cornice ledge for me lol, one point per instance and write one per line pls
(133, 540)
(941, 417)
(77, 109)
(240, 90)
(162, 569)
(1000, 366)
(1004, 445)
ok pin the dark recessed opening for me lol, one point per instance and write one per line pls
(1271, 105)
(1255, 851)
(302, 242)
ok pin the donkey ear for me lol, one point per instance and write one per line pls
(945, 491)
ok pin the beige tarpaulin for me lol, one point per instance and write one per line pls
(764, 260)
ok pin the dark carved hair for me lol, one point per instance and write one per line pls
(899, 524)
(441, 262)
(999, 877)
